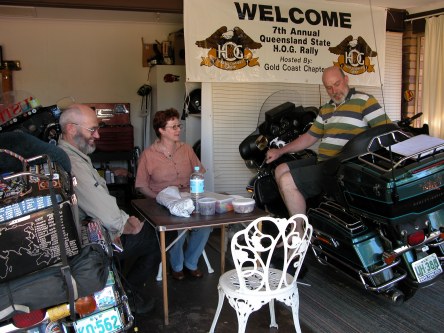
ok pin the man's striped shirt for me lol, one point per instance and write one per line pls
(336, 125)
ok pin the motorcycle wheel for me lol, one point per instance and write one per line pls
(408, 291)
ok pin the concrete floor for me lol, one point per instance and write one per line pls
(332, 303)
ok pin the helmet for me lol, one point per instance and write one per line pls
(195, 105)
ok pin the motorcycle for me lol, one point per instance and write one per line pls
(380, 218)
(106, 310)
(58, 275)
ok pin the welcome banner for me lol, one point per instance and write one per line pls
(283, 41)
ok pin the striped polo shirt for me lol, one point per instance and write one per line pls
(337, 124)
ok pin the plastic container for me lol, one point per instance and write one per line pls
(207, 206)
(224, 205)
(243, 205)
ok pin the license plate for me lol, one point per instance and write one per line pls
(102, 322)
(427, 268)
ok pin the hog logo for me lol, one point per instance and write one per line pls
(354, 55)
(229, 49)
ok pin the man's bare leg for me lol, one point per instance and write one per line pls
(293, 199)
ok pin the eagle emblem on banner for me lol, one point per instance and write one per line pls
(354, 55)
(229, 49)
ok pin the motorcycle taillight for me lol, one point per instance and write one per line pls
(389, 257)
(24, 320)
(416, 238)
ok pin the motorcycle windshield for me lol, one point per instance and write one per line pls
(281, 119)
(278, 98)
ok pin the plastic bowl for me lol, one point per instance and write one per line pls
(207, 206)
(224, 205)
(243, 205)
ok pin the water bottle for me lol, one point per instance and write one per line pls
(196, 187)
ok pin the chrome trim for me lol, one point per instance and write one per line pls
(441, 242)
(350, 226)
(405, 248)
(389, 283)
(427, 151)
(127, 311)
(362, 275)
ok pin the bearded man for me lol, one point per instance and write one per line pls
(80, 130)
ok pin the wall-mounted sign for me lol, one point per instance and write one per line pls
(283, 41)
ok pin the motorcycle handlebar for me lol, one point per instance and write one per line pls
(408, 121)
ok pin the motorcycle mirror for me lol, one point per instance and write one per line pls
(250, 164)
(261, 142)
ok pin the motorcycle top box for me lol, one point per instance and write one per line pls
(394, 184)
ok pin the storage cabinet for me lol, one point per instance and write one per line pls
(122, 189)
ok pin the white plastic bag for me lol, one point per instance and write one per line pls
(171, 199)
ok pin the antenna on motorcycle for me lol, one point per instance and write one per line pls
(395, 195)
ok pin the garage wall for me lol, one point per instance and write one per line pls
(92, 60)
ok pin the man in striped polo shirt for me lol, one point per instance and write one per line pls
(347, 114)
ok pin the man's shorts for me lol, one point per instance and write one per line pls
(307, 175)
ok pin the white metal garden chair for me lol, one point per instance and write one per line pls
(253, 282)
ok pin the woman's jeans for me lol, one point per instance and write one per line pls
(196, 241)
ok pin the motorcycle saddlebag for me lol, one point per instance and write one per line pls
(345, 236)
(266, 190)
(267, 195)
(47, 287)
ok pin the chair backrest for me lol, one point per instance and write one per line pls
(252, 251)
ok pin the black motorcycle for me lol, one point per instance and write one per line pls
(57, 274)
(380, 217)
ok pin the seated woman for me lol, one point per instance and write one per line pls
(169, 162)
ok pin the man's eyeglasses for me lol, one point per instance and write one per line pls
(175, 127)
(90, 129)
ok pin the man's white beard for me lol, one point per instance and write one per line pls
(83, 145)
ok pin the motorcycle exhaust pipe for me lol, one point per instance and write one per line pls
(395, 295)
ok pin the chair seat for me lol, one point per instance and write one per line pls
(229, 281)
